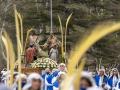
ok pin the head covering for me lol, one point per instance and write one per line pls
(114, 69)
(17, 77)
(62, 64)
(89, 77)
(22, 76)
(47, 69)
(30, 78)
(102, 69)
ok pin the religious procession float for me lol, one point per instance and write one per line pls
(40, 64)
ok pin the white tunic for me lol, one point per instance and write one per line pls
(101, 81)
(54, 54)
(114, 81)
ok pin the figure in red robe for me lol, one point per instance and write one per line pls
(30, 54)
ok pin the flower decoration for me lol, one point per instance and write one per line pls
(44, 63)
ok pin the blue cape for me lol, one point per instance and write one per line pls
(97, 78)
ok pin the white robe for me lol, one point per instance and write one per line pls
(54, 54)
(117, 87)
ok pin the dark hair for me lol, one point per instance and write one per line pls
(87, 80)
(31, 45)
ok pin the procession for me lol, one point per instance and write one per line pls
(52, 79)
(59, 45)
(52, 76)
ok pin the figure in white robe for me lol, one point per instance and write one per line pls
(54, 54)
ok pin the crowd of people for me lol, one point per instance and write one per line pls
(51, 80)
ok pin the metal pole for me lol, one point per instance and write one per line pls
(51, 15)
